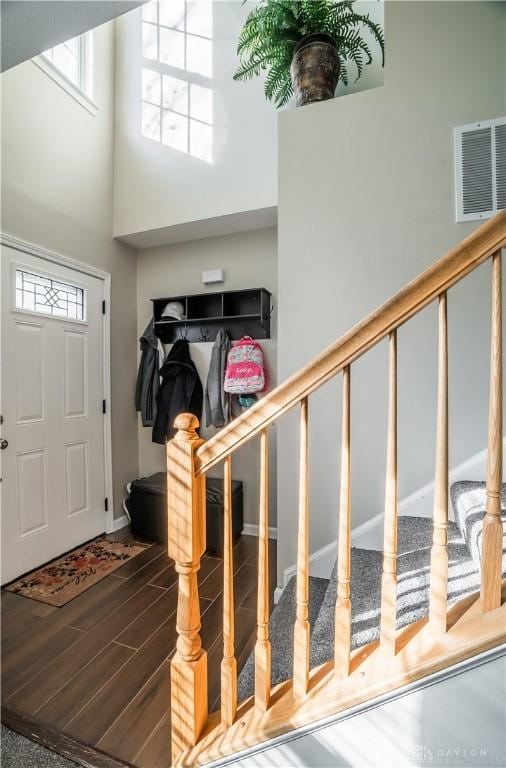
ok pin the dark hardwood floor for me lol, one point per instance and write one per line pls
(95, 673)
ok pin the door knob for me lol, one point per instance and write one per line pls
(3, 444)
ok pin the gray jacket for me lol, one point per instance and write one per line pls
(148, 377)
(216, 399)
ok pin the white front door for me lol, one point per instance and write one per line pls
(53, 478)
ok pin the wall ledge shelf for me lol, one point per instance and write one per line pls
(240, 312)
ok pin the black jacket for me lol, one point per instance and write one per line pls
(146, 390)
(180, 391)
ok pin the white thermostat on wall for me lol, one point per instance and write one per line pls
(213, 276)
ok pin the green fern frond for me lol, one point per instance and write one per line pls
(274, 27)
(278, 86)
(343, 73)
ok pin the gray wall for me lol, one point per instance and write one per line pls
(31, 27)
(366, 202)
(250, 261)
(457, 723)
(57, 162)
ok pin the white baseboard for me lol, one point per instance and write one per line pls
(277, 594)
(320, 564)
(421, 502)
(322, 561)
(369, 535)
(120, 522)
(249, 529)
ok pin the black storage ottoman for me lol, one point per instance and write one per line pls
(147, 506)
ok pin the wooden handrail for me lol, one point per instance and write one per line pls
(189, 458)
(456, 264)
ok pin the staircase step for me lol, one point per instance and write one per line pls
(281, 634)
(413, 569)
(468, 501)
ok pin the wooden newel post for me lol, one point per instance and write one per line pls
(186, 521)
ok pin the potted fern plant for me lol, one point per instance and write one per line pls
(305, 46)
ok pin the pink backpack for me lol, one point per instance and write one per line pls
(245, 373)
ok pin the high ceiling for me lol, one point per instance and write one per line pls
(30, 27)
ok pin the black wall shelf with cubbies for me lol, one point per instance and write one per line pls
(240, 313)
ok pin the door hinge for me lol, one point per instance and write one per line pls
(106, 504)
(103, 307)
(104, 406)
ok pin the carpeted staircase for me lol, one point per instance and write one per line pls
(413, 569)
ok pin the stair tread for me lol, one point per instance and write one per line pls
(281, 633)
(413, 562)
(413, 570)
(468, 499)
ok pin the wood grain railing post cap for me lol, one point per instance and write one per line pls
(187, 423)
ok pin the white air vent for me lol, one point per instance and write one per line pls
(480, 169)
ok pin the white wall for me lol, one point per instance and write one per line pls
(373, 75)
(165, 195)
(250, 261)
(57, 161)
(372, 206)
(157, 186)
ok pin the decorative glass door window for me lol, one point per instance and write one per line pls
(37, 293)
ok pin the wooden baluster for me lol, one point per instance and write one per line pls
(438, 597)
(343, 603)
(491, 557)
(301, 628)
(229, 662)
(186, 545)
(263, 645)
(389, 575)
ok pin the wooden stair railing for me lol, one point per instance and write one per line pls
(197, 738)
(439, 551)
(229, 662)
(301, 628)
(492, 524)
(342, 641)
(388, 611)
(263, 644)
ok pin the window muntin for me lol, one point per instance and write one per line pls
(47, 296)
(74, 60)
(177, 100)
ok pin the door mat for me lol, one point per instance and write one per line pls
(68, 576)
